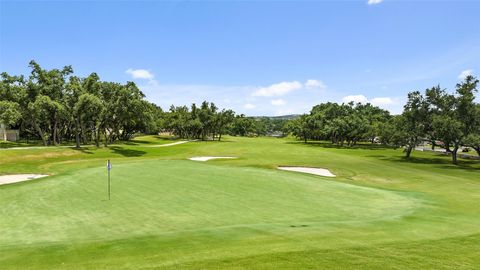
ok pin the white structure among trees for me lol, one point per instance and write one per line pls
(8, 134)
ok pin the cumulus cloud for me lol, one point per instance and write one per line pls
(140, 74)
(278, 89)
(315, 84)
(278, 102)
(465, 73)
(379, 101)
(374, 2)
(249, 106)
(355, 98)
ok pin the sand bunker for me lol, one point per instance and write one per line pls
(169, 144)
(172, 144)
(208, 158)
(14, 178)
(316, 171)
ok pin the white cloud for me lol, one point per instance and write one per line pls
(278, 102)
(380, 101)
(355, 98)
(384, 102)
(374, 2)
(140, 74)
(249, 106)
(278, 89)
(465, 73)
(315, 84)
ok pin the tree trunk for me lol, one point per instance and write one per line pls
(77, 132)
(477, 149)
(106, 138)
(40, 132)
(219, 136)
(408, 151)
(447, 148)
(82, 132)
(95, 136)
(55, 129)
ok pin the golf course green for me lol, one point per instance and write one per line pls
(381, 211)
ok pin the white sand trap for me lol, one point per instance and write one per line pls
(208, 158)
(14, 178)
(316, 171)
(170, 144)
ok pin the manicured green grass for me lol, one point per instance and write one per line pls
(380, 212)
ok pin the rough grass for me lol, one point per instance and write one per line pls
(381, 211)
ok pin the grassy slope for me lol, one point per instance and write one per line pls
(380, 212)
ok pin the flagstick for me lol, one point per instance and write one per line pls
(108, 167)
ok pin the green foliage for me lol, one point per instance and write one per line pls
(339, 123)
(453, 119)
(206, 122)
(473, 140)
(243, 126)
(56, 106)
(9, 112)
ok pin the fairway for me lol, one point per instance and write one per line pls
(167, 211)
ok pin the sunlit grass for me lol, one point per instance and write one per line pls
(382, 211)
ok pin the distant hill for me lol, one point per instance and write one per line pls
(280, 117)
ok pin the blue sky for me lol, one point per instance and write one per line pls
(256, 57)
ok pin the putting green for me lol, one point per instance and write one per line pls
(170, 197)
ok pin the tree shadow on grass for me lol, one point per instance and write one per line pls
(440, 162)
(134, 142)
(158, 139)
(362, 146)
(127, 152)
(83, 150)
(376, 156)
(9, 144)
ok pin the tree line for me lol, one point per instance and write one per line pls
(207, 122)
(451, 120)
(56, 106)
(441, 118)
(339, 123)
(204, 122)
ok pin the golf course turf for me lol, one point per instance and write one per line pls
(381, 211)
